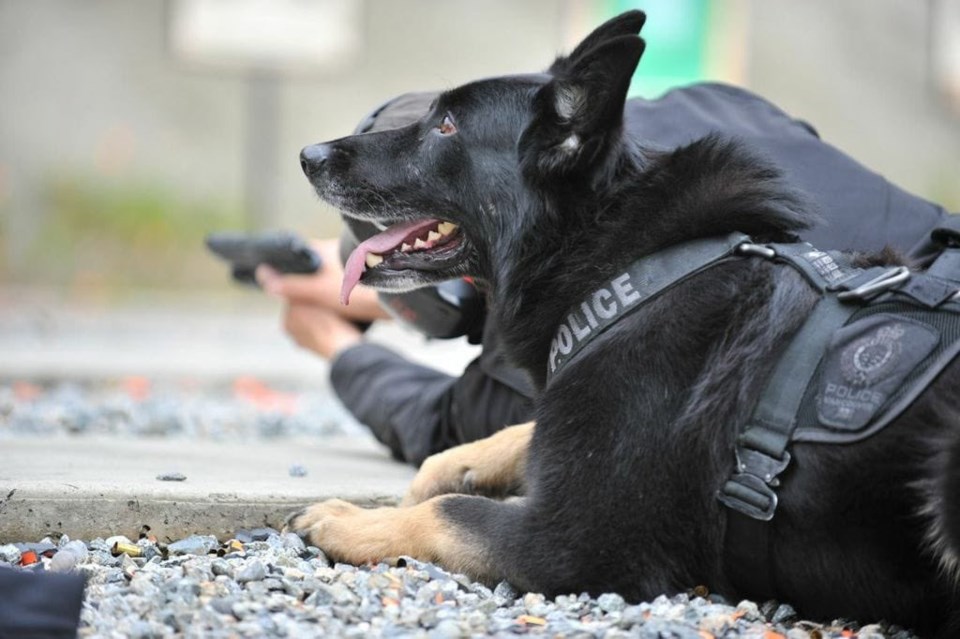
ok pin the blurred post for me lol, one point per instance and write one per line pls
(261, 184)
(266, 41)
(944, 25)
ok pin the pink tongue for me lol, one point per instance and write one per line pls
(379, 243)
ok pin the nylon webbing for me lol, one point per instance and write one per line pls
(626, 292)
(761, 453)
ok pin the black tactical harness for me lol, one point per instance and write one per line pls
(875, 339)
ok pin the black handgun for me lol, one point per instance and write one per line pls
(284, 251)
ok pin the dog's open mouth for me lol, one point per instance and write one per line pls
(421, 245)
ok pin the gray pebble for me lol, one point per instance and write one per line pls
(194, 545)
(223, 605)
(252, 571)
(221, 567)
(611, 602)
(145, 630)
(171, 477)
(343, 595)
(783, 614)
(871, 631)
(188, 587)
(260, 534)
(272, 583)
(447, 629)
(10, 554)
(504, 593)
(297, 470)
(69, 556)
(292, 541)
(293, 589)
(750, 610)
(321, 596)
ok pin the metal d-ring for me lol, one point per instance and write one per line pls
(883, 282)
(749, 248)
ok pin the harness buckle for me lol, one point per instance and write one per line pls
(885, 281)
(750, 489)
(749, 495)
(761, 465)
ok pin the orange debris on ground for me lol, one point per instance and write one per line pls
(25, 391)
(252, 390)
(136, 386)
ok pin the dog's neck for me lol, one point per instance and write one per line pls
(574, 241)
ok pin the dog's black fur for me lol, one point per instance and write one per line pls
(635, 436)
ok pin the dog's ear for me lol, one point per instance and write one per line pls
(578, 115)
(628, 23)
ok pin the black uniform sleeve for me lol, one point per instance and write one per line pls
(859, 209)
(415, 410)
(39, 604)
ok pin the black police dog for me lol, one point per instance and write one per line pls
(529, 184)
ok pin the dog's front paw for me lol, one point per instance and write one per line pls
(492, 467)
(441, 474)
(333, 526)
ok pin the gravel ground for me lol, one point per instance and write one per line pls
(265, 584)
(243, 409)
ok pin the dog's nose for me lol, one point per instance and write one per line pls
(313, 157)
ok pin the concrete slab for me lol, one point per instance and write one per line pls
(89, 486)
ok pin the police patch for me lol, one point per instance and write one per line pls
(866, 363)
(871, 359)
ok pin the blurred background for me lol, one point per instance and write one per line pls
(129, 130)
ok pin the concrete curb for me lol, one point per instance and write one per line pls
(91, 487)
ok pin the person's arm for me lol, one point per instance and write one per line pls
(417, 411)
(402, 403)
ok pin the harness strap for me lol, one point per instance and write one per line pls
(824, 270)
(761, 451)
(621, 295)
(947, 265)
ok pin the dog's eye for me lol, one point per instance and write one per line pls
(447, 127)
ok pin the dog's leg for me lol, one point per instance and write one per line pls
(493, 467)
(429, 531)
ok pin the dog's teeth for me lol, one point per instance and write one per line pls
(446, 228)
(406, 248)
(433, 236)
(419, 244)
(373, 259)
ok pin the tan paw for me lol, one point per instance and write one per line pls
(492, 467)
(333, 527)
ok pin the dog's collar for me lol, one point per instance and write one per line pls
(628, 291)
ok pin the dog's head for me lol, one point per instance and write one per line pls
(452, 189)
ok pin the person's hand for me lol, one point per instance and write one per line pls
(319, 329)
(322, 288)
